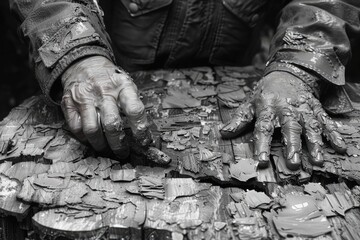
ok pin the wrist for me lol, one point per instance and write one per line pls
(312, 82)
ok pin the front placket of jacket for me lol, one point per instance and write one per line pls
(193, 33)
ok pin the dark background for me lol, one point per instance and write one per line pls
(17, 80)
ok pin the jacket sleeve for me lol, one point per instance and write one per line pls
(313, 40)
(60, 32)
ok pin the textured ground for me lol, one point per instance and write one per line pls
(53, 186)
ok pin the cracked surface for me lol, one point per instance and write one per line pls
(97, 196)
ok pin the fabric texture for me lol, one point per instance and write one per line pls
(313, 39)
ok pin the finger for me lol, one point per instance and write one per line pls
(239, 122)
(72, 117)
(91, 127)
(291, 131)
(112, 125)
(312, 133)
(264, 129)
(134, 109)
(329, 127)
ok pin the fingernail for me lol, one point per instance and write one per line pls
(263, 160)
(294, 162)
(225, 133)
(341, 145)
(318, 160)
(226, 127)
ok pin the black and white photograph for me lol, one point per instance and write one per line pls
(180, 119)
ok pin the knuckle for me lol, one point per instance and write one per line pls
(75, 129)
(263, 125)
(101, 89)
(91, 129)
(314, 124)
(112, 125)
(128, 84)
(66, 99)
(124, 78)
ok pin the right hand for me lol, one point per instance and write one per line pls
(282, 98)
(94, 91)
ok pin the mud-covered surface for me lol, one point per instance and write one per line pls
(56, 186)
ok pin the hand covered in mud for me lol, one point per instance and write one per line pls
(94, 92)
(281, 98)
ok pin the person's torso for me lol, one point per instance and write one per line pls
(182, 33)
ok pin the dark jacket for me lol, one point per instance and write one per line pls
(313, 39)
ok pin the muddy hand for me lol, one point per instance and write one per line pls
(94, 92)
(281, 98)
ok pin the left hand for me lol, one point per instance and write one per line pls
(281, 97)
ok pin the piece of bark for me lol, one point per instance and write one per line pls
(22, 170)
(190, 163)
(99, 184)
(63, 167)
(73, 194)
(73, 191)
(122, 175)
(72, 150)
(180, 187)
(85, 170)
(35, 146)
(93, 199)
(315, 190)
(202, 92)
(243, 170)
(338, 201)
(5, 166)
(160, 172)
(206, 155)
(177, 122)
(232, 99)
(256, 199)
(44, 181)
(104, 167)
(151, 187)
(179, 99)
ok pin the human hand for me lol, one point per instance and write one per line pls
(94, 91)
(281, 98)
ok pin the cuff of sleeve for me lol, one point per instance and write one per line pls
(310, 80)
(335, 101)
(323, 63)
(48, 76)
